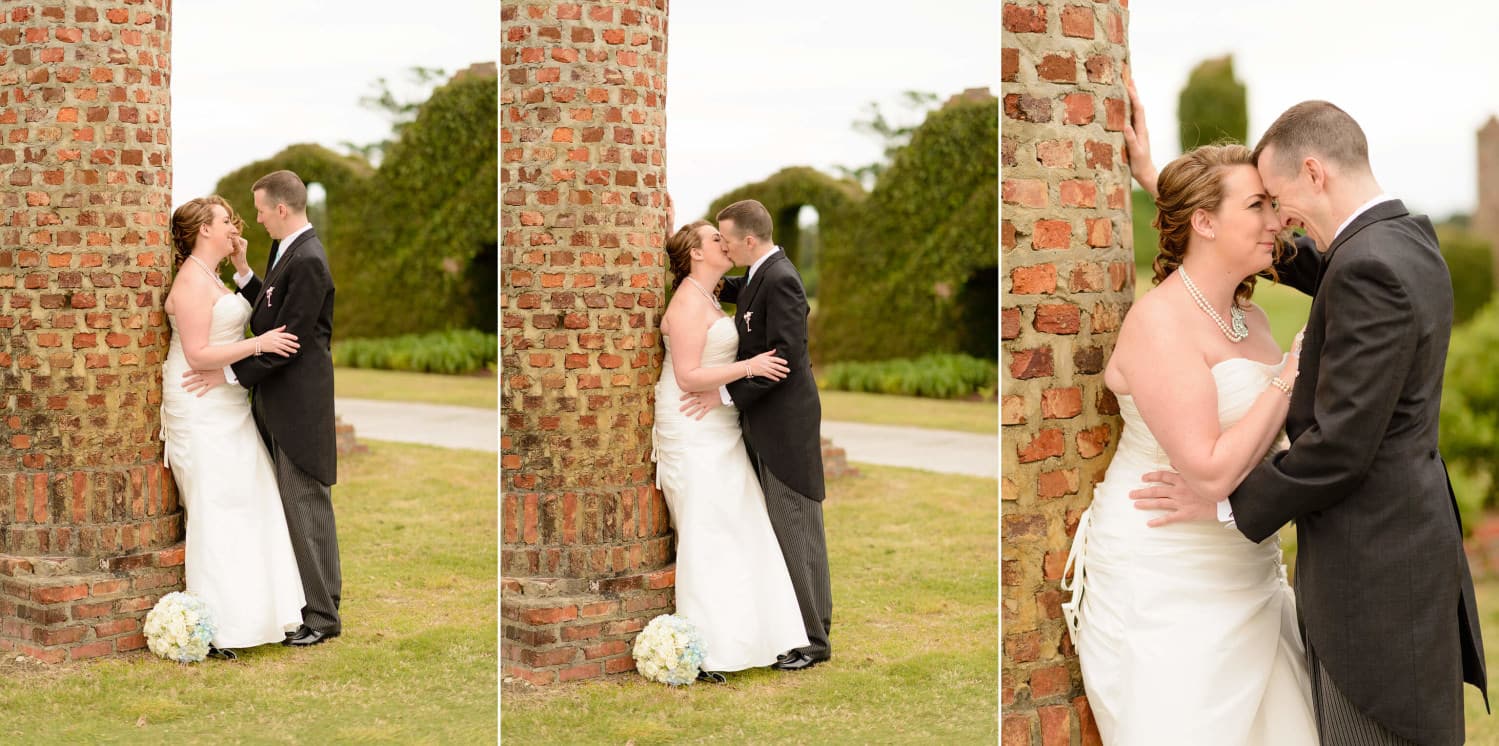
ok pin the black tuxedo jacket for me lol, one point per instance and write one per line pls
(294, 395)
(1382, 584)
(782, 420)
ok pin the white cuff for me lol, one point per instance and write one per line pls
(229, 376)
(242, 279)
(1225, 512)
(723, 393)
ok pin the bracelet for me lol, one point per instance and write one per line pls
(257, 346)
(749, 371)
(1280, 383)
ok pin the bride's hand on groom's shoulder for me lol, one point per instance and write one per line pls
(279, 341)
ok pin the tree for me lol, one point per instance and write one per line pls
(1213, 106)
(893, 137)
(400, 111)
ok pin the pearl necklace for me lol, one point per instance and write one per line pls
(210, 272)
(711, 297)
(1240, 330)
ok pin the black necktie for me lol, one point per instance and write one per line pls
(271, 261)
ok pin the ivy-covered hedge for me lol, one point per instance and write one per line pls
(412, 245)
(1470, 262)
(1213, 106)
(917, 270)
(837, 202)
(1470, 408)
(938, 376)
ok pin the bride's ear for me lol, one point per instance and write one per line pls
(1202, 224)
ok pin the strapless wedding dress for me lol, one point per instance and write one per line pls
(732, 582)
(1186, 633)
(238, 557)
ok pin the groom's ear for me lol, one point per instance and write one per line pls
(1315, 171)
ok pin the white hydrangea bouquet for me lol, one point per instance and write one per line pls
(180, 628)
(669, 650)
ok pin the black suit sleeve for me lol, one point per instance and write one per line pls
(1298, 266)
(729, 293)
(785, 319)
(298, 299)
(1370, 337)
(251, 288)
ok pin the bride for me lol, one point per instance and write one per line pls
(238, 557)
(732, 582)
(1187, 633)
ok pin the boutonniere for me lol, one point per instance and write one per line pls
(268, 292)
(747, 315)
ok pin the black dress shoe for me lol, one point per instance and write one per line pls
(793, 661)
(307, 636)
(221, 654)
(711, 677)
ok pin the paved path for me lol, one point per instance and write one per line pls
(943, 451)
(428, 424)
(478, 429)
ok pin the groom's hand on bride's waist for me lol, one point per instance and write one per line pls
(200, 382)
(1171, 494)
(697, 404)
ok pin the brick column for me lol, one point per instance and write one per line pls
(587, 547)
(89, 524)
(1065, 237)
(1486, 216)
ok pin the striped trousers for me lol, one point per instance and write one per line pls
(1339, 722)
(797, 522)
(314, 541)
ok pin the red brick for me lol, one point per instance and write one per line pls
(1009, 64)
(1055, 153)
(1086, 723)
(1121, 274)
(581, 671)
(606, 648)
(1050, 681)
(1025, 19)
(549, 616)
(115, 627)
(1023, 647)
(1087, 277)
(1026, 108)
(619, 665)
(1051, 234)
(1054, 565)
(1061, 403)
(91, 650)
(1024, 192)
(1036, 363)
(1009, 323)
(1056, 725)
(1079, 108)
(1057, 68)
(1058, 318)
(1100, 69)
(1048, 443)
(1077, 21)
(1114, 114)
(1093, 441)
(1017, 729)
(1100, 232)
(1106, 317)
(1057, 483)
(1012, 410)
(1036, 280)
(1079, 193)
(59, 593)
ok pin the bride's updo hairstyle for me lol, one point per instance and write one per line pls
(1190, 183)
(679, 250)
(190, 218)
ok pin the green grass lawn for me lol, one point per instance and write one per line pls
(416, 663)
(911, 411)
(915, 644)
(1483, 729)
(427, 388)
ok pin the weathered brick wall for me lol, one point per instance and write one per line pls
(1486, 215)
(1069, 277)
(89, 523)
(586, 547)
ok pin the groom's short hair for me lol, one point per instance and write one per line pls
(750, 218)
(283, 187)
(1315, 128)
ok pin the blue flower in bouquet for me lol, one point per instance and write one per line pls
(180, 628)
(669, 650)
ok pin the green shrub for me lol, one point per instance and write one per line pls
(1147, 240)
(1470, 407)
(936, 376)
(1213, 105)
(1470, 261)
(453, 352)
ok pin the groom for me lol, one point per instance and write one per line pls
(782, 420)
(293, 396)
(1382, 584)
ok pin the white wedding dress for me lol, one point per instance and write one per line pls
(238, 558)
(732, 582)
(1186, 633)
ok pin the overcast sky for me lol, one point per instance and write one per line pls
(250, 78)
(1419, 78)
(755, 87)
